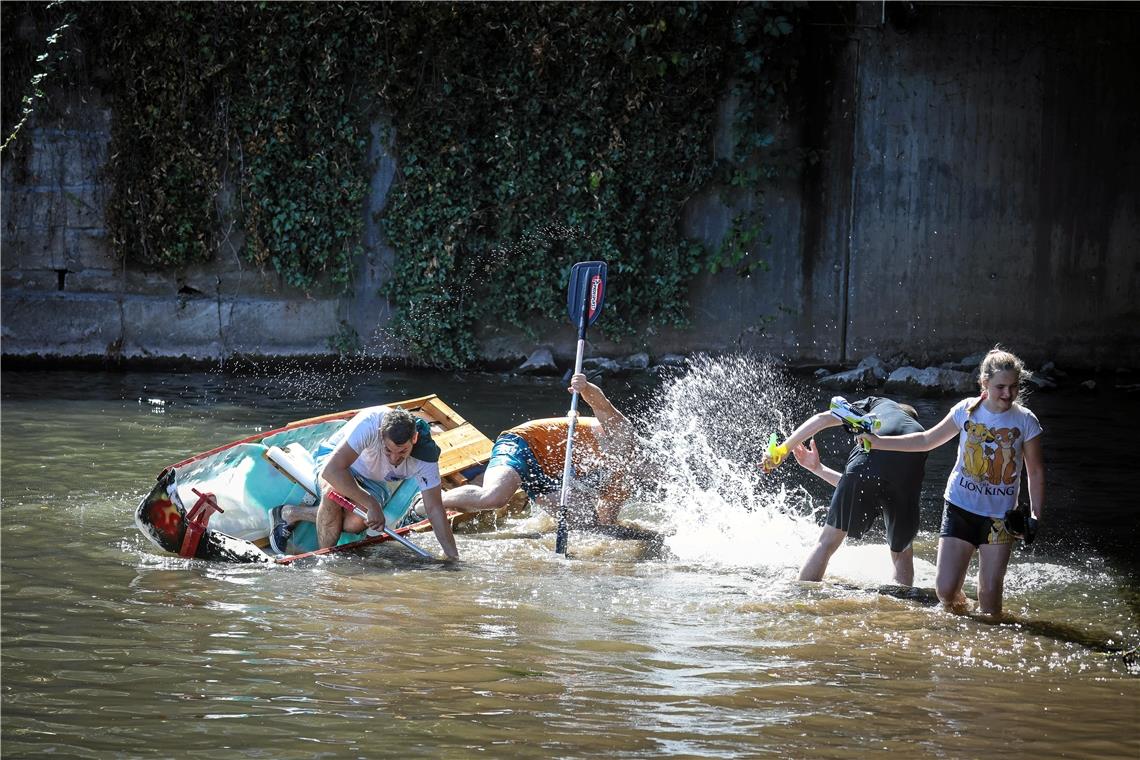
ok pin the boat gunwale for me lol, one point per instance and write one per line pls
(416, 403)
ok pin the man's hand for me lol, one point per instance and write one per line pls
(807, 456)
(375, 519)
(579, 384)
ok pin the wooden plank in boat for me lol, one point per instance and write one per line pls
(440, 410)
(456, 461)
(459, 437)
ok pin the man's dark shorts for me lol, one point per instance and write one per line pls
(858, 500)
(513, 451)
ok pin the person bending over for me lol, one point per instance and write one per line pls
(378, 445)
(873, 482)
(532, 456)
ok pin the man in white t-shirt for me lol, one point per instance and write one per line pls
(377, 446)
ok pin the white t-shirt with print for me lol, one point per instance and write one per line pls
(987, 475)
(362, 433)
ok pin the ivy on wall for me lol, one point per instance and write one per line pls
(528, 136)
(33, 58)
(240, 111)
(593, 122)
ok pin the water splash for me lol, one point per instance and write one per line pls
(708, 432)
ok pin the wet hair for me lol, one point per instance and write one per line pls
(908, 409)
(398, 426)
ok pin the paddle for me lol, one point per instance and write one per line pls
(584, 303)
(345, 503)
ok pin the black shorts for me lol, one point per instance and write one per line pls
(973, 528)
(858, 500)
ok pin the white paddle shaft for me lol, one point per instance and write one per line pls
(572, 418)
(356, 509)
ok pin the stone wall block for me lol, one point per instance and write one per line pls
(171, 327)
(92, 280)
(31, 280)
(67, 157)
(31, 208)
(280, 327)
(84, 206)
(89, 248)
(251, 282)
(38, 248)
(79, 327)
(145, 282)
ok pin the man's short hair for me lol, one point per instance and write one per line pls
(908, 409)
(398, 426)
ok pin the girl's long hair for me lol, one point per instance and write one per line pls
(997, 360)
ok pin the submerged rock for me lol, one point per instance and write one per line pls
(673, 360)
(635, 363)
(852, 379)
(931, 381)
(600, 365)
(541, 362)
(877, 366)
(1039, 382)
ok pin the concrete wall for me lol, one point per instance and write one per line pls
(977, 181)
(67, 294)
(996, 187)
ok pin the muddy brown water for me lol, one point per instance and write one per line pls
(112, 649)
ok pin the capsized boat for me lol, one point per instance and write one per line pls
(215, 505)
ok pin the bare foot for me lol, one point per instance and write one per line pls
(960, 605)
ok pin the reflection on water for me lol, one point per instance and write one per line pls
(715, 650)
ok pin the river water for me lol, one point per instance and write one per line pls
(112, 649)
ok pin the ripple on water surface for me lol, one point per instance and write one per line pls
(711, 649)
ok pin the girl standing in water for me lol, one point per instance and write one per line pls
(996, 436)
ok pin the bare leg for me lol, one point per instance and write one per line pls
(499, 484)
(332, 520)
(816, 563)
(607, 512)
(993, 559)
(295, 513)
(904, 566)
(954, 557)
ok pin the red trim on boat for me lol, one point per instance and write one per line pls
(259, 436)
(196, 521)
(367, 541)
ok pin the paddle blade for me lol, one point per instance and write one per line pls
(586, 292)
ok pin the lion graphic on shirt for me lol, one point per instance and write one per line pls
(1003, 464)
(974, 460)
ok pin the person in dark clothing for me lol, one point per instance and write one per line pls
(872, 482)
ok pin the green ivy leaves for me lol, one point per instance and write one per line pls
(528, 136)
(579, 134)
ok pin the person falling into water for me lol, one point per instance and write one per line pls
(872, 482)
(532, 456)
(378, 445)
(996, 436)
